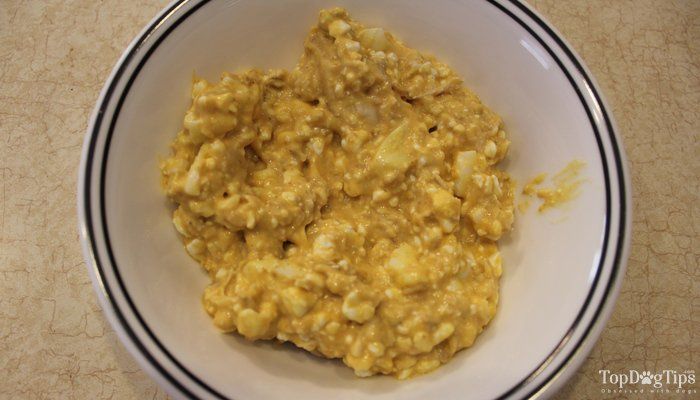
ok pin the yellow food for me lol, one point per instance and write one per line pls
(350, 206)
(565, 187)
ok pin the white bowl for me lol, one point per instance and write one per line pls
(561, 275)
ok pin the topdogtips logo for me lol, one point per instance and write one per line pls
(633, 381)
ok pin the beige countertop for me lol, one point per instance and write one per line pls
(55, 56)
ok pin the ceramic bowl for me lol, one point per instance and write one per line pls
(562, 271)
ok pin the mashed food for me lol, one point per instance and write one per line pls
(350, 206)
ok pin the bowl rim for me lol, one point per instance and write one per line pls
(529, 387)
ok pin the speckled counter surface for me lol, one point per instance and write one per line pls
(55, 56)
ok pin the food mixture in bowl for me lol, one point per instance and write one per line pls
(350, 206)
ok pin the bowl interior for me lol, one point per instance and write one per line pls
(549, 259)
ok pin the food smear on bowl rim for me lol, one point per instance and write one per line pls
(565, 187)
(351, 206)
